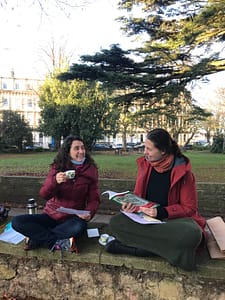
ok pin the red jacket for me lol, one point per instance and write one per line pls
(182, 197)
(79, 193)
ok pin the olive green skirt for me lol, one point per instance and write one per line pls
(176, 240)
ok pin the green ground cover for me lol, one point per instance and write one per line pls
(207, 167)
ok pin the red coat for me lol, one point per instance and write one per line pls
(182, 197)
(79, 193)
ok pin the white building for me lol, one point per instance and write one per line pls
(21, 95)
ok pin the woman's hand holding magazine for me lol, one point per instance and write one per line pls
(136, 208)
(147, 208)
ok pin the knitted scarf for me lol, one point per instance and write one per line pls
(163, 164)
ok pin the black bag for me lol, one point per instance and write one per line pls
(4, 213)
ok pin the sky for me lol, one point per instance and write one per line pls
(26, 33)
(203, 92)
(25, 30)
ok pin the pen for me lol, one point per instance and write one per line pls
(155, 205)
(140, 213)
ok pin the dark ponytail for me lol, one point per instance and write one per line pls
(164, 142)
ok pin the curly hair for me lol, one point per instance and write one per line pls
(164, 142)
(62, 160)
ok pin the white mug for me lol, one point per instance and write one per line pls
(103, 239)
(70, 174)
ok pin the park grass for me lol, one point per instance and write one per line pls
(207, 167)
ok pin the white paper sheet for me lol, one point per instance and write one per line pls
(11, 236)
(139, 218)
(92, 232)
(72, 211)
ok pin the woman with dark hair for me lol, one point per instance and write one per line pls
(164, 177)
(78, 191)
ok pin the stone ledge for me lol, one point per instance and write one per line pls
(91, 252)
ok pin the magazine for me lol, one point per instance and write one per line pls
(128, 197)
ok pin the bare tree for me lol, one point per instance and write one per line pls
(216, 123)
(45, 7)
(55, 56)
(62, 5)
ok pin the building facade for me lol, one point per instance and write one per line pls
(21, 95)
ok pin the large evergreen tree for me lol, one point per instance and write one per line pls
(167, 59)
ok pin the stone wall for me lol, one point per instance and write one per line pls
(38, 279)
(16, 190)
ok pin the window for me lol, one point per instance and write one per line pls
(4, 85)
(5, 102)
(18, 102)
(29, 103)
(30, 119)
(28, 86)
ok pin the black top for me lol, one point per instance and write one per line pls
(158, 189)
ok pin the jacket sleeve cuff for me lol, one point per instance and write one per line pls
(162, 213)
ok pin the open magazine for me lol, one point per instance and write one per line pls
(129, 197)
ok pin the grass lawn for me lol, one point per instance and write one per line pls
(207, 167)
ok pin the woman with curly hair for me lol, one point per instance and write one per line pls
(79, 191)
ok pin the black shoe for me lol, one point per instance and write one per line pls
(112, 247)
(117, 247)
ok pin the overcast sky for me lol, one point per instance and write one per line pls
(25, 30)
